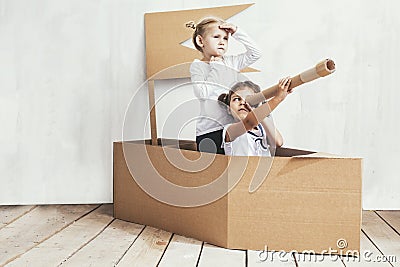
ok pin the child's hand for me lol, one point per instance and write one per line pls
(283, 88)
(230, 28)
(215, 59)
(247, 106)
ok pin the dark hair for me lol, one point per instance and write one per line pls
(201, 27)
(226, 97)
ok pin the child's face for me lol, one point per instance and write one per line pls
(215, 41)
(238, 106)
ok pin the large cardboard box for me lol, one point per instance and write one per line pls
(308, 201)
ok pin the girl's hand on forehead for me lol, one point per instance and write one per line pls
(230, 28)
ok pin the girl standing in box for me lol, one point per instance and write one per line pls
(214, 74)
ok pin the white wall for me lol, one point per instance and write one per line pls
(69, 68)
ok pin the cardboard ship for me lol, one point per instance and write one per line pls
(307, 200)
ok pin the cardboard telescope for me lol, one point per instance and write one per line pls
(322, 69)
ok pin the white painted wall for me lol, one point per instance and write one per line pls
(69, 68)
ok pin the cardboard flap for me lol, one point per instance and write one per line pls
(164, 49)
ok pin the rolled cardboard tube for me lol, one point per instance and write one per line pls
(322, 69)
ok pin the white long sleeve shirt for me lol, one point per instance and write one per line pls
(212, 79)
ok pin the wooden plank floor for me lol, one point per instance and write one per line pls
(88, 235)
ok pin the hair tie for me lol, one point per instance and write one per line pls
(226, 99)
(190, 24)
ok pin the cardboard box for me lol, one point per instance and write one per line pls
(308, 201)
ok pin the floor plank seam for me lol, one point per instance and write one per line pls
(83, 215)
(294, 259)
(383, 219)
(23, 214)
(86, 243)
(341, 259)
(374, 244)
(48, 237)
(201, 251)
(165, 249)
(133, 242)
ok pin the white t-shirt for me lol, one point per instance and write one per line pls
(252, 143)
(211, 80)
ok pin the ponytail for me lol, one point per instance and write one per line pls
(191, 24)
(224, 98)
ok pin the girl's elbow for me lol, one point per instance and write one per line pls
(256, 54)
(249, 123)
(254, 57)
(279, 143)
(278, 140)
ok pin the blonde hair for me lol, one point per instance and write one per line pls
(201, 27)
